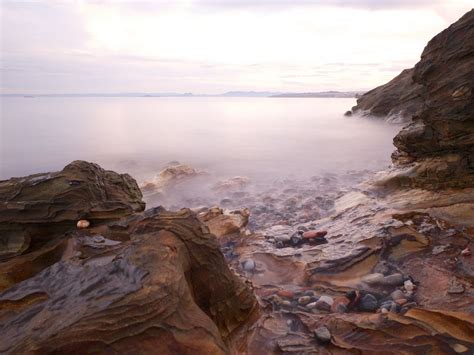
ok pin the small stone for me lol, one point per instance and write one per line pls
(368, 303)
(282, 238)
(78, 254)
(322, 306)
(466, 252)
(327, 299)
(311, 305)
(393, 280)
(314, 234)
(384, 310)
(83, 223)
(395, 308)
(348, 113)
(340, 305)
(322, 334)
(248, 265)
(308, 293)
(286, 303)
(373, 279)
(459, 348)
(397, 295)
(439, 249)
(304, 300)
(408, 285)
(285, 293)
(401, 301)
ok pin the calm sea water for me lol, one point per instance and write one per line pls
(258, 137)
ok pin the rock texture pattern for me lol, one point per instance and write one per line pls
(151, 282)
(436, 150)
(398, 101)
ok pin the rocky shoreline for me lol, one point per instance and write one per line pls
(358, 263)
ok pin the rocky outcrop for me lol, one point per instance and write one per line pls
(35, 208)
(397, 101)
(439, 143)
(436, 150)
(149, 282)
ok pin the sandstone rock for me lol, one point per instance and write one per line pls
(39, 207)
(171, 177)
(373, 279)
(164, 287)
(233, 184)
(222, 223)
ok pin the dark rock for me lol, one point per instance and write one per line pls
(368, 303)
(348, 113)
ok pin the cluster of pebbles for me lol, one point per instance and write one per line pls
(398, 301)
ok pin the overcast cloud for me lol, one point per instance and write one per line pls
(213, 46)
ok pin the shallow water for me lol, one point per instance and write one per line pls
(258, 137)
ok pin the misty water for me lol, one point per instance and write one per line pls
(265, 139)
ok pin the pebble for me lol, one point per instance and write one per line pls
(304, 300)
(322, 305)
(409, 286)
(395, 308)
(285, 293)
(397, 295)
(368, 303)
(393, 280)
(308, 293)
(83, 223)
(98, 239)
(314, 234)
(327, 299)
(322, 334)
(248, 265)
(286, 303)
(311, 305)
(384, 310)
(340, 305)
(401, 301)
(282, 238)
(373, 279)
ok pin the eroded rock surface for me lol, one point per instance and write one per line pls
(151, 282)
(397, 101)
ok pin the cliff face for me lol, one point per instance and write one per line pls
(149, 282)
(436, 149)
(440, 140)
(398, 100)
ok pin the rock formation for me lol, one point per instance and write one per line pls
(149, 282)
(397, 101)
(436, 150)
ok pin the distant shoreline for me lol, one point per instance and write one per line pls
(325, 94)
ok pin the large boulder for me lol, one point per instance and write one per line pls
(43, 205)
(150, 282)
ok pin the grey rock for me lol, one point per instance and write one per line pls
(322, 335)
(304, 300)
(393, 280)
(248, 265)
(397, 295)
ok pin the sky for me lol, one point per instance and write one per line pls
(201, 46)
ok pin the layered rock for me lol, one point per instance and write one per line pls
(436, 150)
(397, 101)
(151, 282)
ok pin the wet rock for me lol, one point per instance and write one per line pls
(323, 335)
(368, 303)
(393, 280)
(397, 294)
(373, 279)
(340, 305)
(409, 286)
(314, 234)
(248, 265)
(233, 184)
(172, 271)
(304, 300)
(222, 223)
